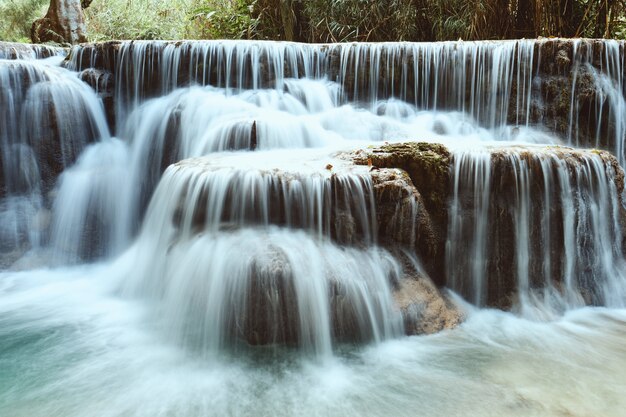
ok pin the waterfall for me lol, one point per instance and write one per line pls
(48, 118)
(223, 147)
(21, 51)
(193, 228)
(549, 216)
(283, 285)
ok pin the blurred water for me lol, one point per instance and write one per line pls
(135, 283)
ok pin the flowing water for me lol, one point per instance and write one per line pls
(207, 248)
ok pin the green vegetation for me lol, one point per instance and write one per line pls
(332, 20)
(138, 19)
(17, 16)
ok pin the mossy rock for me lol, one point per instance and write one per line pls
(427, 164)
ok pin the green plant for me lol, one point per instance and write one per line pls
(360, 20)
(137, 19)
(18, 16)
(226, 19)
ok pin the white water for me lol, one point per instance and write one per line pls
(244, 282)
(70, 348)
(48, 117)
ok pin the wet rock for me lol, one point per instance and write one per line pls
(99, 80)
(539, 218)
(427, 164)
(271, 316)
(425, 309)
(102, 83)
(412, 200)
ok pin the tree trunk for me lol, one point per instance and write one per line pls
(286, 16)
(64, 23)
(603, 19)
(525, 19)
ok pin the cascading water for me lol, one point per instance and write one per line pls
(550, 216)
(257, 238)
(48, 118)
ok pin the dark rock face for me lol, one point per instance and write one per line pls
(271, 314)
(527, 226)
(540, 209)
(103, 84)
(418, 189)
(567, 94)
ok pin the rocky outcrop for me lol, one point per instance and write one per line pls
(412, 188)
(336, 210)
(425, 309)
(64, 23)
(497, 228)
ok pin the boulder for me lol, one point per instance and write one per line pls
(425, 309)
(412, 190)
(64, 23)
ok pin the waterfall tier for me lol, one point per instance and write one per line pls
(48, 117)
(509, 220)
(14, 50)
(574, 88)
(264, 146)
(253, 255)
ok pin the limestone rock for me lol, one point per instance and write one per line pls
(412, 198)
(64, 23)
(425, 309)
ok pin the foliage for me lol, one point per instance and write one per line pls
(225, 19)
(331, 20)
(18, 16)
(137, 19)
(359, 20)
(460, 19)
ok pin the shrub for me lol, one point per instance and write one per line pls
(18, 16)
(138, 19)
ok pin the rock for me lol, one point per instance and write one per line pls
(103, 84)
(412, 200)
(427, 164)
(425, 310)
(563, 60)
(64, 23)
(524, 215)
(271, 313)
